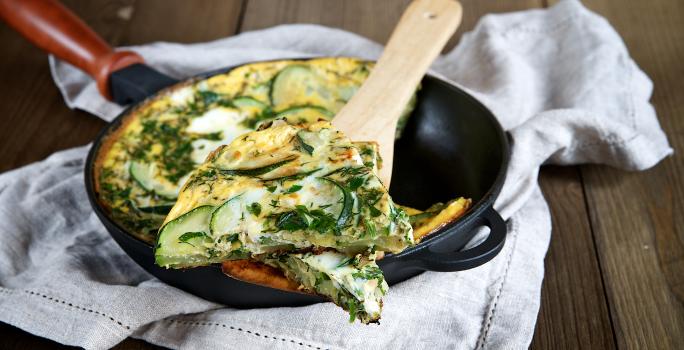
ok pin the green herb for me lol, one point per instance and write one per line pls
(271, 188)
(229, 238)
(367, 151)
(292, 221)
(320, 278)
(208, 97)
(293, 189)
(148, 125)
(301, 218)
(322, 222)
(303, 145)
(184, 238)
(349, 171)
(375, 212)
(347, 203)
(369, 198)
(115, 193)
(370, 227)
(351, 261)
(216, 136)
(356, 182)
(351, 305)
(254, 208)
(206, 176)
(257, 171)
(274, 203)
(266, 240)
(175, 156)
(294, 176)
(369, 273)
(157, 209)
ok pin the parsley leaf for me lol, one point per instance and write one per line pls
(254, 208)
(293, 189)
(303, 145)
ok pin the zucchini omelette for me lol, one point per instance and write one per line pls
(301, 215)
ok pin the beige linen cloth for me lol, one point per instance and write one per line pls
(560, 81)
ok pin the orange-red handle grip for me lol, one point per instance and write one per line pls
(57, 30)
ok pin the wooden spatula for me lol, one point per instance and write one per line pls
(373, 112)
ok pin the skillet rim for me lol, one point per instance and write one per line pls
(115, 126)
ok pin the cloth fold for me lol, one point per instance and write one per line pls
(561, 82)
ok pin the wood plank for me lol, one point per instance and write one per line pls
(574, 312)
(637, 216)
(191, 21)
(36, 122)
(372, 19)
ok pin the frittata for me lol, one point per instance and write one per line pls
(142, 166)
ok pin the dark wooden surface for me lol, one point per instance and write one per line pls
(615, 267)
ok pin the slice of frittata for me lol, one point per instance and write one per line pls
(281, 193)
(355, 282)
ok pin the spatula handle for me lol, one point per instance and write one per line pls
(417, 40)
(55, 29)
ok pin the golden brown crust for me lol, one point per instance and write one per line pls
(261, 274)
(448, 215)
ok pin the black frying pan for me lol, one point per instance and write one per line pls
(452, 146)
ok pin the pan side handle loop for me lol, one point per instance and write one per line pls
(472, 257)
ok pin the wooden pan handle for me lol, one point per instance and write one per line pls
(57, 30)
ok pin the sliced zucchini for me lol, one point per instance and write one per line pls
(347, 203)
(186, 240)
(260, 91)
(146, 175)
(305, 114)
(254, 172)
(244, 102)
(296, 85)
(256, 111)
(252, 108)
(226, 218)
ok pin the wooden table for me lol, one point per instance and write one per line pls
(615, 268)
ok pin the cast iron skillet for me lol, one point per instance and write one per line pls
(452, 146)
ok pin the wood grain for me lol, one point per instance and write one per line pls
(637, 217)
(35, 121)
(372, 19)
(574, 312)
(51, 26)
